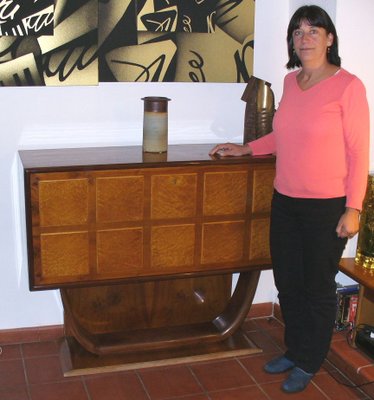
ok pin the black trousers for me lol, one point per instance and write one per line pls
(305, 252)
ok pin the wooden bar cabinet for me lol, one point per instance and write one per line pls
(143, 247)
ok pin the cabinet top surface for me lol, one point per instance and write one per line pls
(96, 157)
(358, 273)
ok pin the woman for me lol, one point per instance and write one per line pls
(321, 140)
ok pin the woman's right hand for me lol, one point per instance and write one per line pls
(230, 149)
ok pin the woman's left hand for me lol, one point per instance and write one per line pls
(349, 223)
(230, 149)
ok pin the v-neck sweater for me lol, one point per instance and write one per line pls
(321, 139)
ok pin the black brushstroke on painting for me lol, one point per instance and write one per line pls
(25, 17)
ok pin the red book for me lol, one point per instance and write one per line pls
(352, 308)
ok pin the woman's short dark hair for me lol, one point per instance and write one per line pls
(315, 16)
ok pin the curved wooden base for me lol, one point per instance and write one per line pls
(78, 361)
(152, 322)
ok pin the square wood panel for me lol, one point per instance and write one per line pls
(64, 254)
(120, 252)
(259, 239)
(173, 196)
(263, 187)
(172, 247)
(222, 242)
(225, 193)
(63, 202)
(119, 198)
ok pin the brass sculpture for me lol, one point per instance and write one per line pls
(365, 244)
(259, 111)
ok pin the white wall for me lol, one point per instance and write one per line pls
(111, 114)
(355, 29)
(328, 5)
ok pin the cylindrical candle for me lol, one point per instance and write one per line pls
(155, 124)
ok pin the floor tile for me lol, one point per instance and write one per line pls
(38, 349)
(44, 369)
(32, 371)
(260, 310)
(369, 390)
(275, 392)
(162, 383)
(350, 355)
(23, 335)
(267, 323)
(264, 342)
(277, 335)
(11, 374)
(335, 390)
(244, 393)
(121, 386)
(249, 325)
(339, 335)
(68, 390)
(50, 333)
(255, 367)
(348, 361)
(11, 351)
(193, 397)
(16, 393)
(220, 375)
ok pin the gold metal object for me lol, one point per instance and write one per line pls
(259, 111)
(365, 245)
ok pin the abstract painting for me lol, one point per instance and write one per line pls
(66, 57)
(96, 41)
(26, 17)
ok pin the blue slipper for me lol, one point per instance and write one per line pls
(297, 381)
(278, 365)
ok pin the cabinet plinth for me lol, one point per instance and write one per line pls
(143, 250)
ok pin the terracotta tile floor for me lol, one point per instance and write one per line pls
(31, 371)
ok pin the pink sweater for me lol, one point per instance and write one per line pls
(321, 139)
